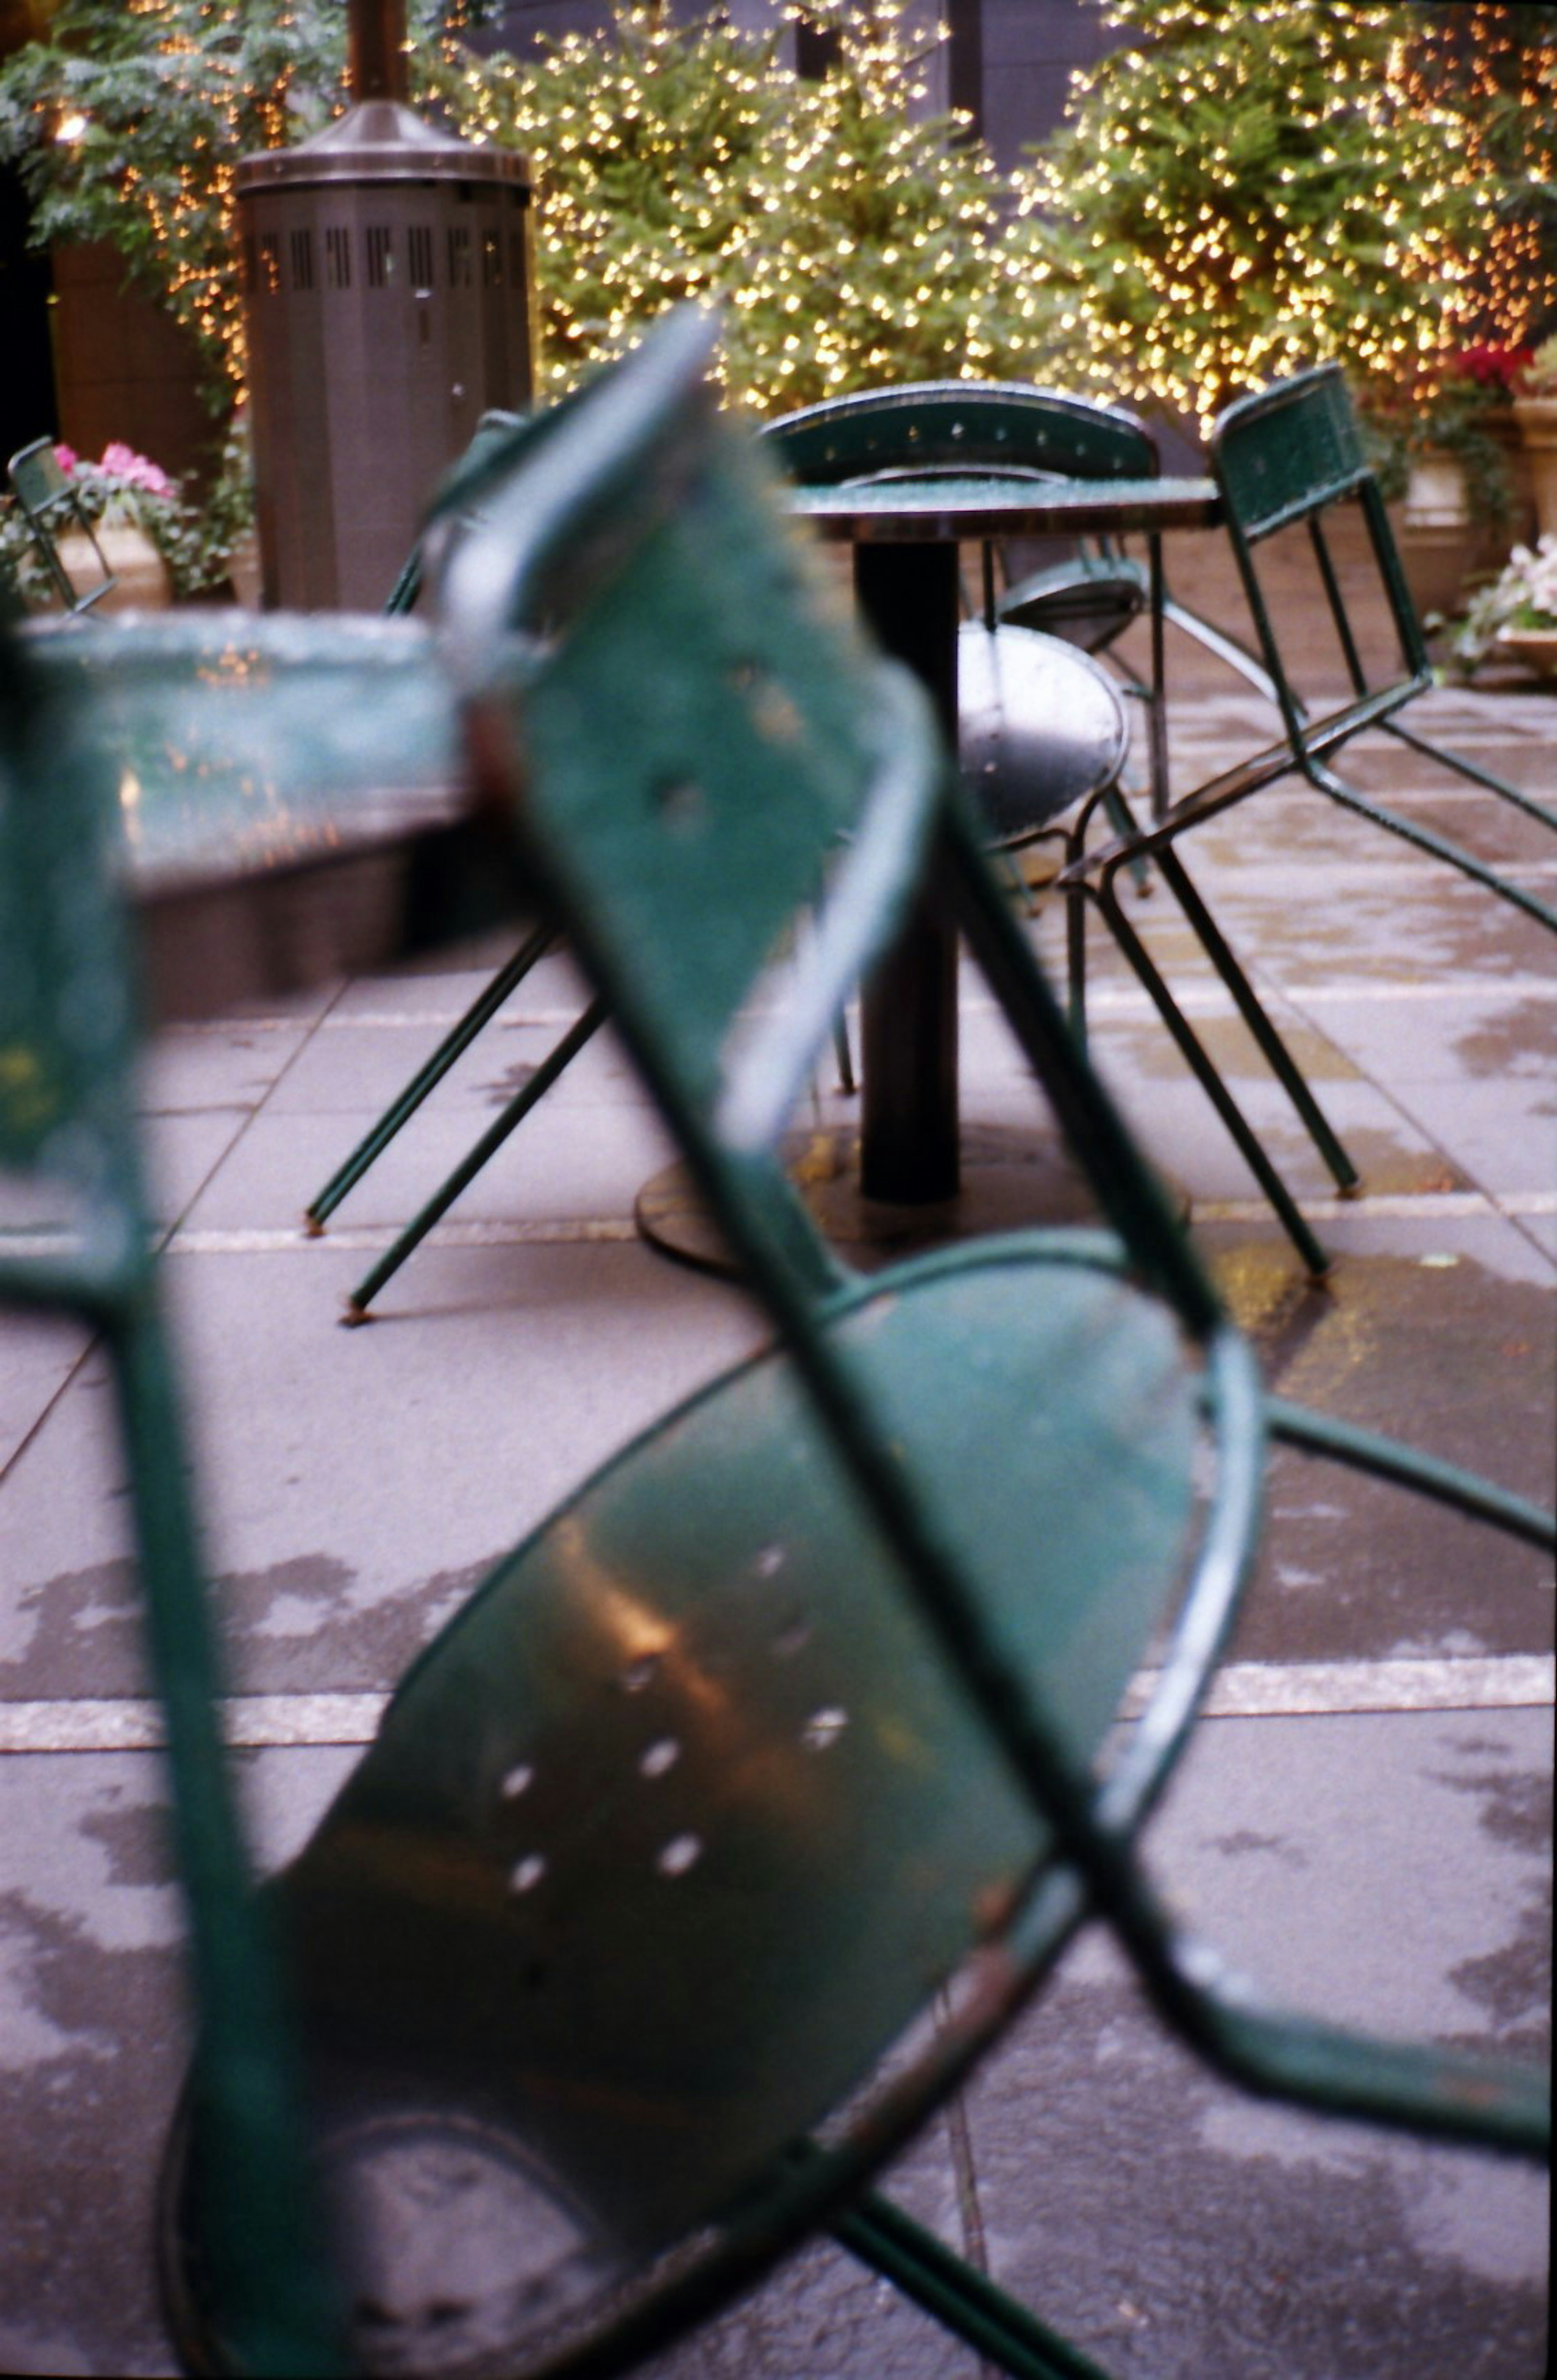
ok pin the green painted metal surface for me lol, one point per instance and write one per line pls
(74, 1236)
(244, 744)
(684, 1820)
(963, 426)
(704, 1851)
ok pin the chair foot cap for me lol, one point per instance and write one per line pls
(352, 1314)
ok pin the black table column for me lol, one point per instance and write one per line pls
(908, 594)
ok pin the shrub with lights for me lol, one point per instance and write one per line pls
(1250, 186)
(853, 237)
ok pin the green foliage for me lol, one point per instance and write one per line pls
(853, 238)
(1248, 186)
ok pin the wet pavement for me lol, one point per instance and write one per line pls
(1364, 1822)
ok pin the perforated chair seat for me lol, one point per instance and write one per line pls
(1088, 599)
(682, 1822)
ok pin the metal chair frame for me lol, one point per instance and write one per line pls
(1283, 458)
(45, 493)
(747, 747)
(69, 1147)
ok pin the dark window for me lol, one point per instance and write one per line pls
(381, 256)
(338, 257)
(302, 260)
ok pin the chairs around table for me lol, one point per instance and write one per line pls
(731, 1820)
(1041, 728)
(959, 427)
(51, 506)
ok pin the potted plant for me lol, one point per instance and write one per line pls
(159, 544)
(1515, 616)
(1535, 410)
(1443, 447)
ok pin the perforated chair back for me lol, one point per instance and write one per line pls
(53, 507)
(955, 425)
(1040, 728)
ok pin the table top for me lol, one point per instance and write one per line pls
(292, 794)
(937, 507)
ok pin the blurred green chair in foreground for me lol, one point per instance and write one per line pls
(74, 1238)
(700, 1857)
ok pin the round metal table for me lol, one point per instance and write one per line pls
(905, 534)
(292, 795)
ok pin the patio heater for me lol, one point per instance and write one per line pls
(389, 296)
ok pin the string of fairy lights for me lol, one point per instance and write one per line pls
(1250, 186)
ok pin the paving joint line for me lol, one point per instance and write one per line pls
(1345, 1689)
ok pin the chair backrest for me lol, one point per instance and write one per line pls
(954, 425)
(496, 444)
(1284, 457)
(51, 504)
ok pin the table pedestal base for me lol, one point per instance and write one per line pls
(1012, 1180)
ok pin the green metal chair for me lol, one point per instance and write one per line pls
(1288, 456)
(499, 436)
(499, 439)
(75, 1238)
(50, 502)
(956, 426)
(700, 1857)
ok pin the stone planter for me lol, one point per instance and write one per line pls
(1435, 534)
(1537, 417)
(245, 574)
(144, 584)
(1535, 647)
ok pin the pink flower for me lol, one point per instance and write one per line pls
(66, 456)
(126, 464)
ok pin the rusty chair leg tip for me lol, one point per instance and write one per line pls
(352, 1314)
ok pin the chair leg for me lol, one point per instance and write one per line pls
(842, 1053)
(963, 2300)
(1278, 1057)
(1315, 1260)
(464, 1174)
(454, 1045)
(1471, 768)
(1424, 840)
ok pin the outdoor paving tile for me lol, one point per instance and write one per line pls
(359, 1069)
(41, 1353)
(183, 1153)
(1499, 1133)
(1174, 2225)
(1438, 1332)
(355, 1483)
(226, 1065)
(578, 1162)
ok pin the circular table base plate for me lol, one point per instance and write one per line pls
(1011, 1181)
